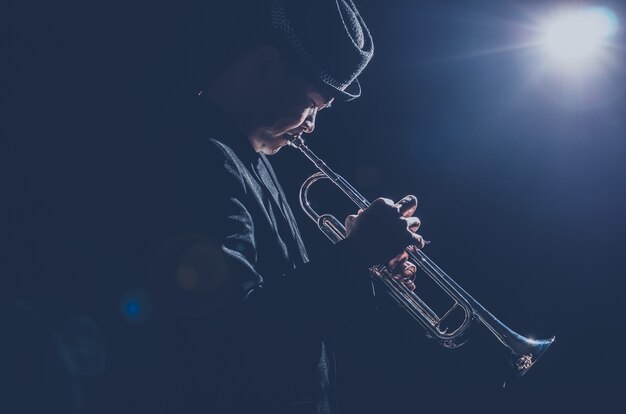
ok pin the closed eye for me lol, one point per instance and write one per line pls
(319, 108)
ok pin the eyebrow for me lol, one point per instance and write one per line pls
(326, 98)
(326, 104)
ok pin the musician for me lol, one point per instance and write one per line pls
(245, 318)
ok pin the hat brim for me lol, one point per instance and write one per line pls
(352, 91)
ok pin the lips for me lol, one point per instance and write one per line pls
(293, 134)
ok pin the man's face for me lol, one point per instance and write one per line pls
(288, 106)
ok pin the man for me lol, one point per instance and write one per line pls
(244, 316)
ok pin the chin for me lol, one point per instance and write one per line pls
(272, 150)
(275, 146)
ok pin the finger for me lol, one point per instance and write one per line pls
(413, 223)
(382, 201)
(393, 263)
(406, 271)
(407, 205)
(409, 270)
(350, 221)
(351, 217)
(418, 240)
(409, 284)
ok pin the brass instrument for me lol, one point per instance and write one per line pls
(523, 352)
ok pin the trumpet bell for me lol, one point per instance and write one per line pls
(525, 352)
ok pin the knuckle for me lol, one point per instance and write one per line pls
(420, 241)
(410, 200)
(385, 202)
(407, 223)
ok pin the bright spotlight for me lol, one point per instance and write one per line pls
(576, 38)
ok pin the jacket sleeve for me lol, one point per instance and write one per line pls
(211, 206)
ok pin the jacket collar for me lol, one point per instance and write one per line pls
(215, 123)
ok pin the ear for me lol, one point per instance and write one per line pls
(269, 65)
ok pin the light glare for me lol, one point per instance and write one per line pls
(578, 37)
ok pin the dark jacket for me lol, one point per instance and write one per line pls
(242, 314)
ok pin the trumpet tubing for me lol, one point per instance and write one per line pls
(523, 352)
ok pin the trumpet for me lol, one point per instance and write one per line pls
(522, 352)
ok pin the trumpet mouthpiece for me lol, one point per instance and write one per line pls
(295, 141)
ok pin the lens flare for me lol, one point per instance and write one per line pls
(579, 37)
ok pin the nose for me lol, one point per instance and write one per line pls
(309, 121)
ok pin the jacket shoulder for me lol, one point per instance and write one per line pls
(225, 162)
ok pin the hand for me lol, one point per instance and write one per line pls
(385, 229)
(401, 269)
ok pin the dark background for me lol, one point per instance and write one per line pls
(519, 171)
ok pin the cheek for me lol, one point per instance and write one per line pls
(296, 119)
(289, 109)
(289, 119)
